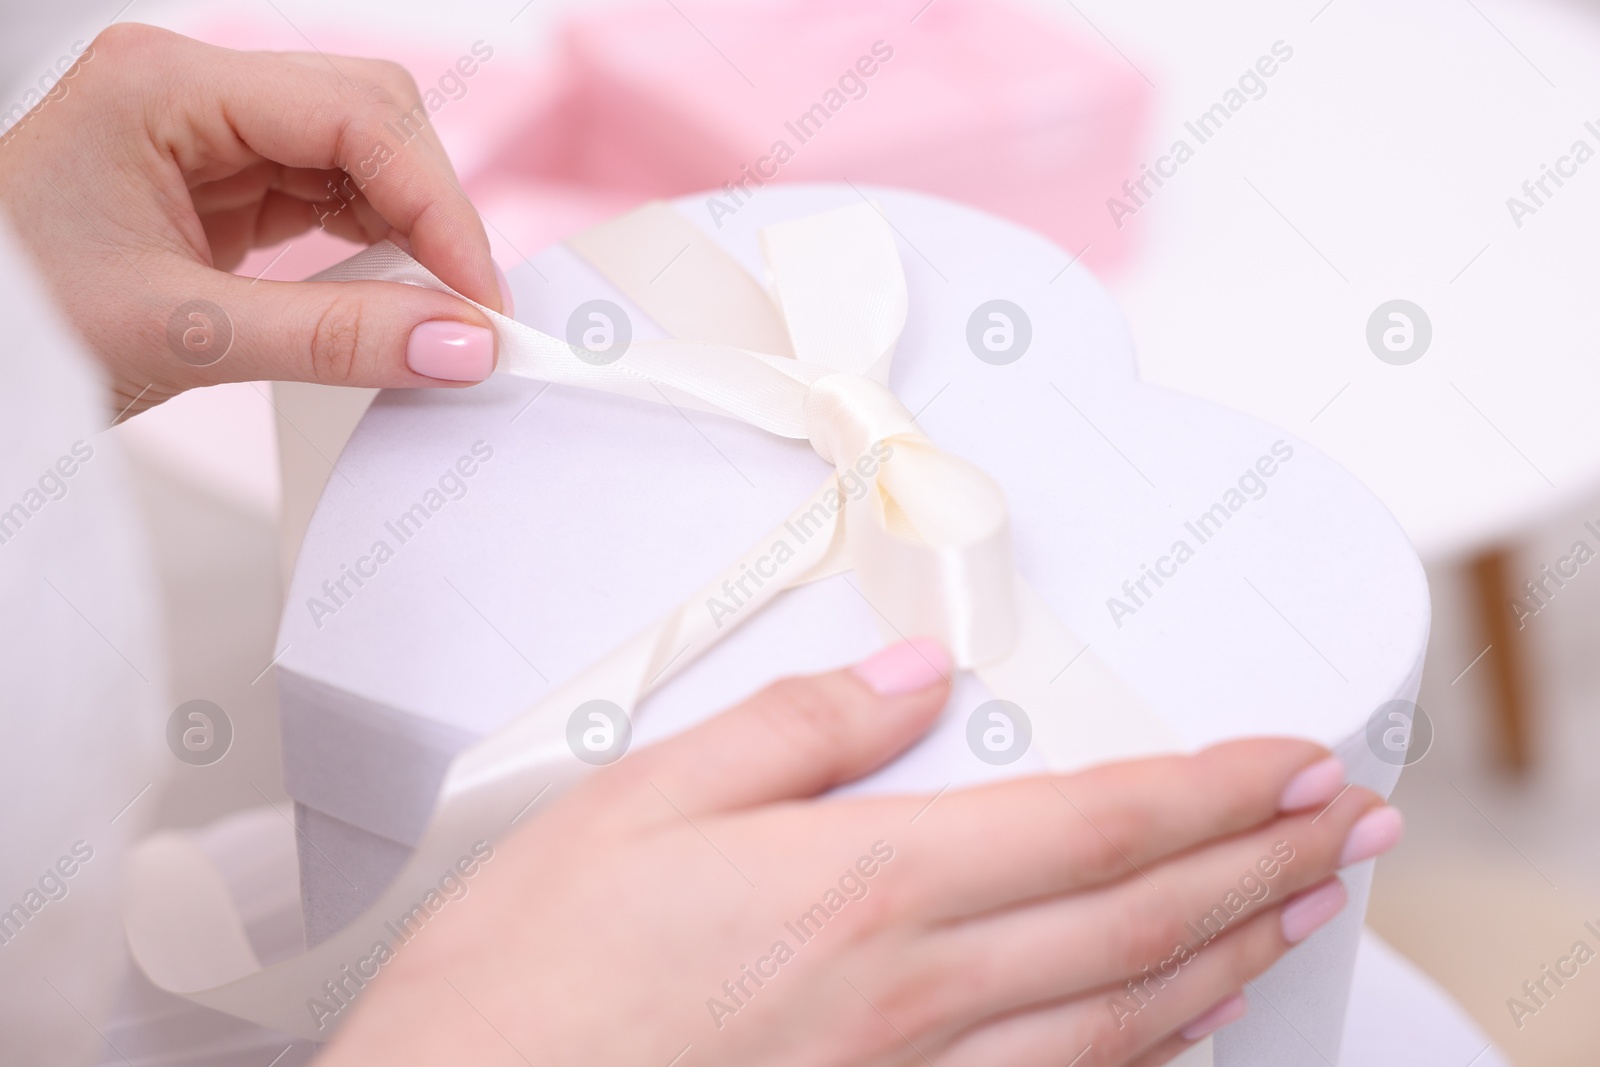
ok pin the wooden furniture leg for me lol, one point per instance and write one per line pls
(1511, 703)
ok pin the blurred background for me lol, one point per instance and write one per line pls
(1263, 186)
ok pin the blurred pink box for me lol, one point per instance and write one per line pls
(975, 100)
(978, 101)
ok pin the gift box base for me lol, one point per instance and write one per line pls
(1302, 610)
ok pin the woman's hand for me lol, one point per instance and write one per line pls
(691, 901)
(159, 162)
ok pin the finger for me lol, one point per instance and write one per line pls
(1229, 1011)
(1052, 834)
(233, 232)
(799, 736)
(363, 117)
(354, 219)
(1164, 1053)
(1196, 1004)
(1115, 1026)
(1151, 923)
(267, 204)
(376, 334)
(248, 186)
(395, 160)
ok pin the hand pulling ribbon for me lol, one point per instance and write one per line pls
(928, 540)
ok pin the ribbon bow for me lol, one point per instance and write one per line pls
(925, 531)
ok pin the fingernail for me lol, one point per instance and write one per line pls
(507, 306)
(904, 668)
(1374, 833)
(1229, 1011)
(452, 351)
(1314, 786)
(1310, 912)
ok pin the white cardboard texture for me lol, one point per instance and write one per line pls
(1299, 614)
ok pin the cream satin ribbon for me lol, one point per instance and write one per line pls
(925, 532)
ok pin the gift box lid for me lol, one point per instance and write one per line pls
(476, 547)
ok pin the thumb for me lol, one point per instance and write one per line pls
(799, 736)
(367, 333)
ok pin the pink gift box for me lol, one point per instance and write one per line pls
(981, 102)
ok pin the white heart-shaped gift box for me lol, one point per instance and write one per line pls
(1239, 581)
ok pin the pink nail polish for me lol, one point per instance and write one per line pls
(1314, 786)
(1374, 833)
(1311, 911)
(452, 351)
(904, 668)
(1229, 1011)
(507, 305)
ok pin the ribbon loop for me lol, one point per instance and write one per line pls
(931, 546)
(927, 531)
